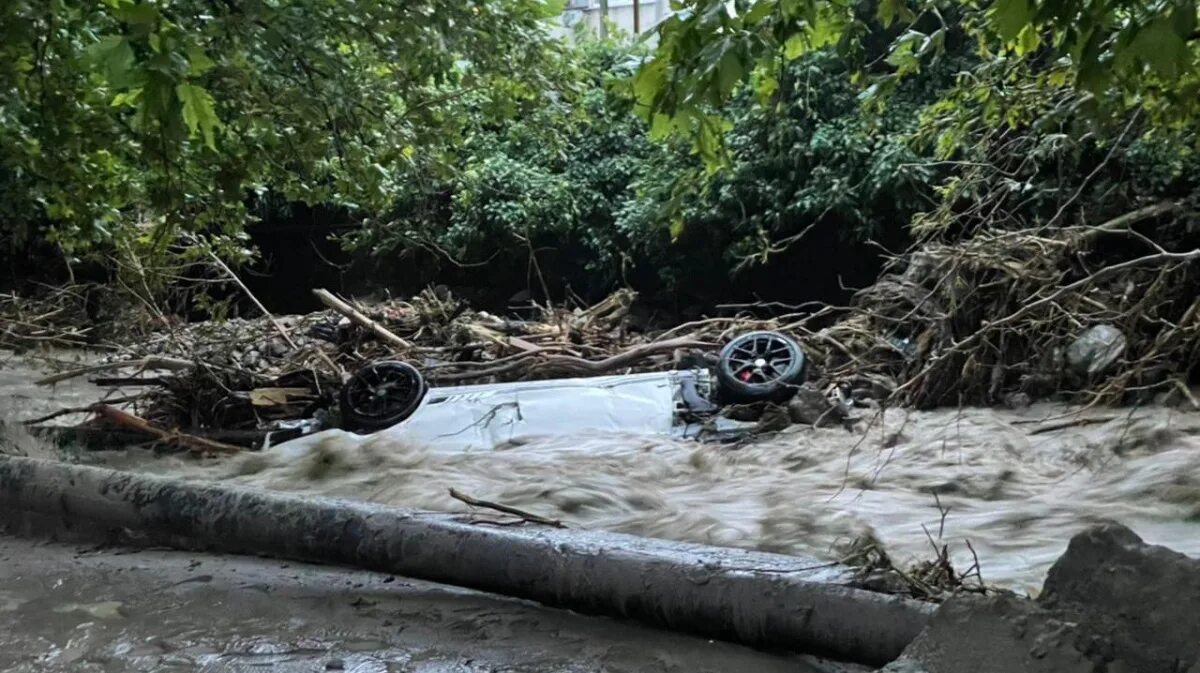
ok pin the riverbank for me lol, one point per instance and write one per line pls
(91, 610)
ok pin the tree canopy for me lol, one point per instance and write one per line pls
(463, 136)
(1125, 55)
(171, 114)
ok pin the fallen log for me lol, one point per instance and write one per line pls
(127, 420)
(545, 362)
(760, 599)
(358, 318)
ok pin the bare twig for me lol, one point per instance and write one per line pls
(525, 516)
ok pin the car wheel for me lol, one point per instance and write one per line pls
(381, 395)
(760, 366)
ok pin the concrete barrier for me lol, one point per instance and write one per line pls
(760, 599)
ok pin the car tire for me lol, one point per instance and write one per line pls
(760, 366)
(381, 395)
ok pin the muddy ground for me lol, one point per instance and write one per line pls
(99, 610)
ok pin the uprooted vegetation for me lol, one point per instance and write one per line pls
(971, 321)
(975, 321)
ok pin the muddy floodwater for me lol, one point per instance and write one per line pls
(1016, 484)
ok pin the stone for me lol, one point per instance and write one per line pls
(1004, 634)
(1017, 400)
(1095, 350)
(811, 406)
(276, 348)
(1110, 604)
(1149, 596)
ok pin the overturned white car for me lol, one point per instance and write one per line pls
(392, 397)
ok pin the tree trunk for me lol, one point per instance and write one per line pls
(765, 600)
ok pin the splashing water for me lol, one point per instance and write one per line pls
(1015, 490)
(1015, 483)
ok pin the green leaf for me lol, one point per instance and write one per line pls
(759, 11)
(795, 47)
(1183, 19)
(766, 87)
(553, 8)
(890, 10)
(127, 98)
(1160, 46)
(903, 54)
(199, 112)
(676, 228)
(142, 13)
(729, 72)
(649, 82)
(198, 61)
(1093, 76)
(1028, 40)
(1010, 16)
(115, 58)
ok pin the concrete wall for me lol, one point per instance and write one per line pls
(620, 12)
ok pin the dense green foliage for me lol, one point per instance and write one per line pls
(1129, 54)
(575, 178)
(465, 140)
(141, 119)
(549, 178)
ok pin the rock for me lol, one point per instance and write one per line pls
(1149, 596)
(904, 666)
(774, 418)
(1017, 401)
(1111, 604)
(810, 406)
(1095, 350)
(1004, 634)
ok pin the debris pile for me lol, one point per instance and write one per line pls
(236, 379)
(1107, 311)
(56, 317)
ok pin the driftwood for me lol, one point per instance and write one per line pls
(127, 420)
(76, 410)
(524, 516)
(283, 332)
(279, 326)
(172, 364)
(549, 362)
(359, 319)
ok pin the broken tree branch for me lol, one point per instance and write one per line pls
(327, 298)
(526, 516)
(127, 420)
(172, 364)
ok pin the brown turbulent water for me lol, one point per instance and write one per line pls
(1008, 481)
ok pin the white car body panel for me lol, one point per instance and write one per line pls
(484, 417)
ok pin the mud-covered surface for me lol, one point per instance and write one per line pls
(67, 608)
